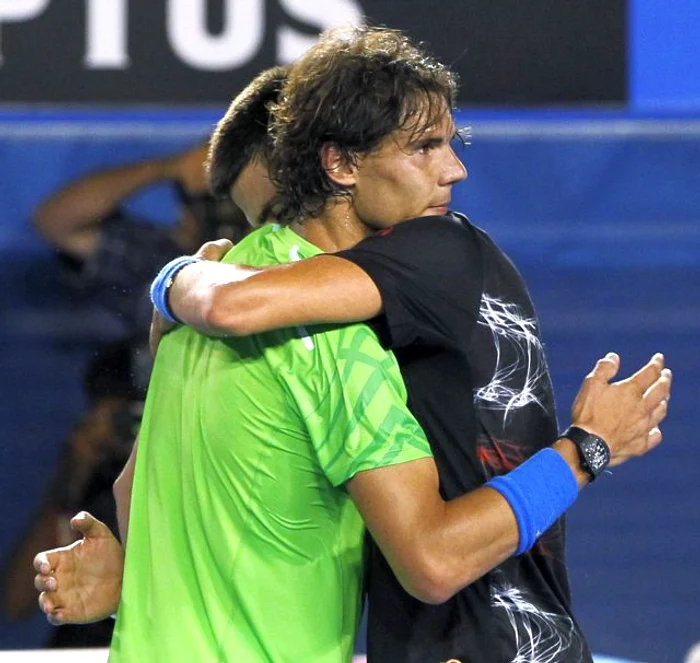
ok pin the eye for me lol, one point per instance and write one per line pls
(428, 145)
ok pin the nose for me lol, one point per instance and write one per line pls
(454, 170)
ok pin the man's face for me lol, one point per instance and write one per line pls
(410, 175)
(252, 192)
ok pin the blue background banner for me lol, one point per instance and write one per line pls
(664, 54)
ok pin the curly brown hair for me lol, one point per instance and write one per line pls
(353, 88)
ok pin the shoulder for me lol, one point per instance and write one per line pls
(432, 238)
(435, 228)
(447, 233)
(435, 243)
(353, 344)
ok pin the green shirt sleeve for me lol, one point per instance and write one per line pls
(353, 403)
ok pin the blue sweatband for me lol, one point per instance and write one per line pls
(161, 285)
(539, 491)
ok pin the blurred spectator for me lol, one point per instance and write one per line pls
(115, 386)
(114, 255)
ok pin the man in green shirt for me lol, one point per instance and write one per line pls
(243, 543)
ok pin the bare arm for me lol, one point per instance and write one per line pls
(122, 493)
(235, 300)
(70, 219)
(435, 548)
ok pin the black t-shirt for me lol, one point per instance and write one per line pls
(459, 318)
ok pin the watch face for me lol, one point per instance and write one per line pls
(596, 453)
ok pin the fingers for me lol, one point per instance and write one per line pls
(46, 564)
(45, 583)
(658, 414)
(606, 368)
(50, 605)
(57, 618)
(659, 392)
(214, 250)
(650, 373)
(42, 564)
(45, 603)
(655, 437)
(88, 525)
(55, 615)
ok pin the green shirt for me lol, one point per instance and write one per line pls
(243, 543)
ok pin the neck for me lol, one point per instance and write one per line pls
(335, 229)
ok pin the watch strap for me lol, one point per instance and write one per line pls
(593, 450)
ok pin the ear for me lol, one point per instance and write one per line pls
(339, 169)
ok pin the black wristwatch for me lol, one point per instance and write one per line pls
(592, 450)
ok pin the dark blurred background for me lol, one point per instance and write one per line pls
(584, 165)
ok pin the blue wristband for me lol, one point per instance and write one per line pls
(539, 491)
(161, 285)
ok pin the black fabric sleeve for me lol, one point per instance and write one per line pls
(429, 273)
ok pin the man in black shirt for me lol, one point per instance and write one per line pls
(465, 333)
(457, 314)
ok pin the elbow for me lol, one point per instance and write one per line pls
(431, 580)
(51, 230)
(429, 588)
(431, 594)
(42, 223)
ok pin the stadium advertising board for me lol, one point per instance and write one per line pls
(202, 51)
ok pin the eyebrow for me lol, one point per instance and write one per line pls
(428, 137)
(431, 140)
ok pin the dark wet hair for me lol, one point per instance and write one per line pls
(242, 134)
(353, 88)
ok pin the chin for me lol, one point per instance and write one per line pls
(436, 211)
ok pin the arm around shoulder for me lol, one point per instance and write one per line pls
(227, 299)
(434, 547)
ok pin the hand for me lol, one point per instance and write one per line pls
(81, 583)
(188, 168)
(214, 251)
(627, 413)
